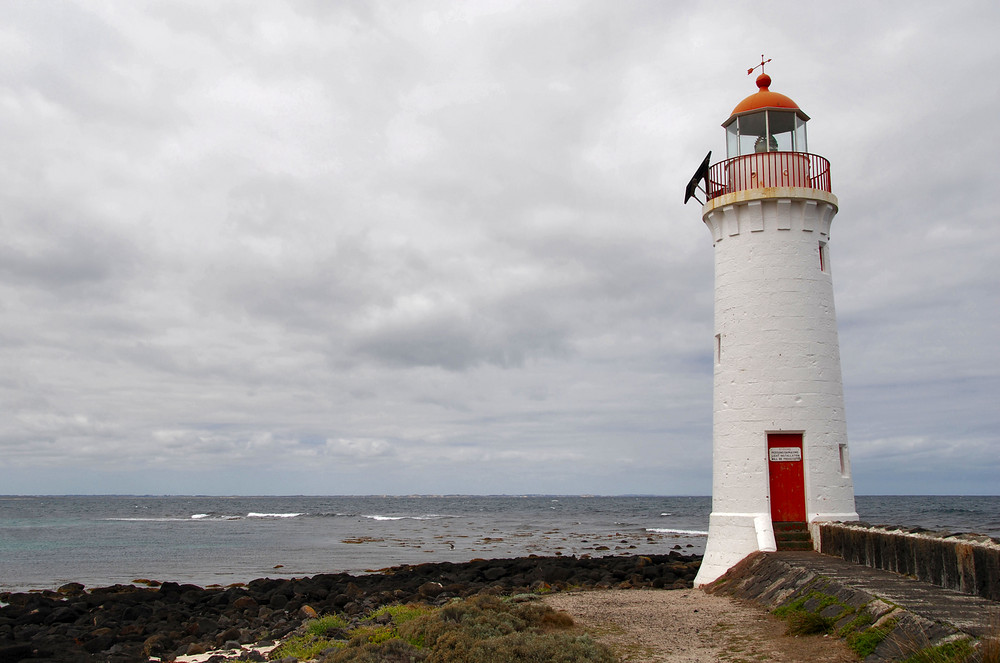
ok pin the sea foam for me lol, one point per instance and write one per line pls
(254, 514)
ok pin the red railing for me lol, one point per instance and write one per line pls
(768, 169)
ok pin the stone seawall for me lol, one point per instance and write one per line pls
(881, 616)
(967, 563)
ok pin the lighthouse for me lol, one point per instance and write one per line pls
(780, 460)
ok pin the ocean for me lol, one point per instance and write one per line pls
(101, 540)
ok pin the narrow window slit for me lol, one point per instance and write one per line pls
(845, 464)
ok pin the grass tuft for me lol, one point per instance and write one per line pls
(303, 647)
(864, 642)
(862, 620)
(795, 606)
(402, 613)
(808, 623)
(325, 624)
(958, 651)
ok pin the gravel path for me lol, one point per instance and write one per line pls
(690, 626)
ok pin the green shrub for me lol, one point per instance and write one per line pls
(375, 633)
(402, 613)
(523, 647)
(302, 647)
(483, 629)
(390, 651)
(538, 614)
(372, 634)
(426, 630)
(325, 624)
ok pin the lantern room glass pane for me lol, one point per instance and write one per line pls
(782, 130)
(752, 129)
(732, 139)
(800, 135)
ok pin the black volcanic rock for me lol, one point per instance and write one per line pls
(126, 623)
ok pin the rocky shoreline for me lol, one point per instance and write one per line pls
(167, 620)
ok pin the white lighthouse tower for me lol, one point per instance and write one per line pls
(779, 451)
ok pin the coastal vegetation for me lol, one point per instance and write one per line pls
(813, 614)
(821, 613)
(865, 639)
(480, 629)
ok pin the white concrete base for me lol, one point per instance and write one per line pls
(731, 537)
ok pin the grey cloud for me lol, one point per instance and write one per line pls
(64, 253)
(434, 235)
(459, 340)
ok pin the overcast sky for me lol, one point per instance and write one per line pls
(439, 247)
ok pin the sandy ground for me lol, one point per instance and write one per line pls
(688, 626)
(680, 626)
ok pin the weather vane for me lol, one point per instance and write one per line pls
(761, 65)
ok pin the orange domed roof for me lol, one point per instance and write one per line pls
(764, 98)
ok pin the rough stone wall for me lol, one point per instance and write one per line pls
(963, 562)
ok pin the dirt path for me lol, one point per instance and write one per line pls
(690, 626)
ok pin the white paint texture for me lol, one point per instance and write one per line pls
(777, 366)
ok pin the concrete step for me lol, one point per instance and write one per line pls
(792, 536)
(780, 526)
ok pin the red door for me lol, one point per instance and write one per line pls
(784, 465)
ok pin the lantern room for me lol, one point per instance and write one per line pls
(765, 148)
(765, 122)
